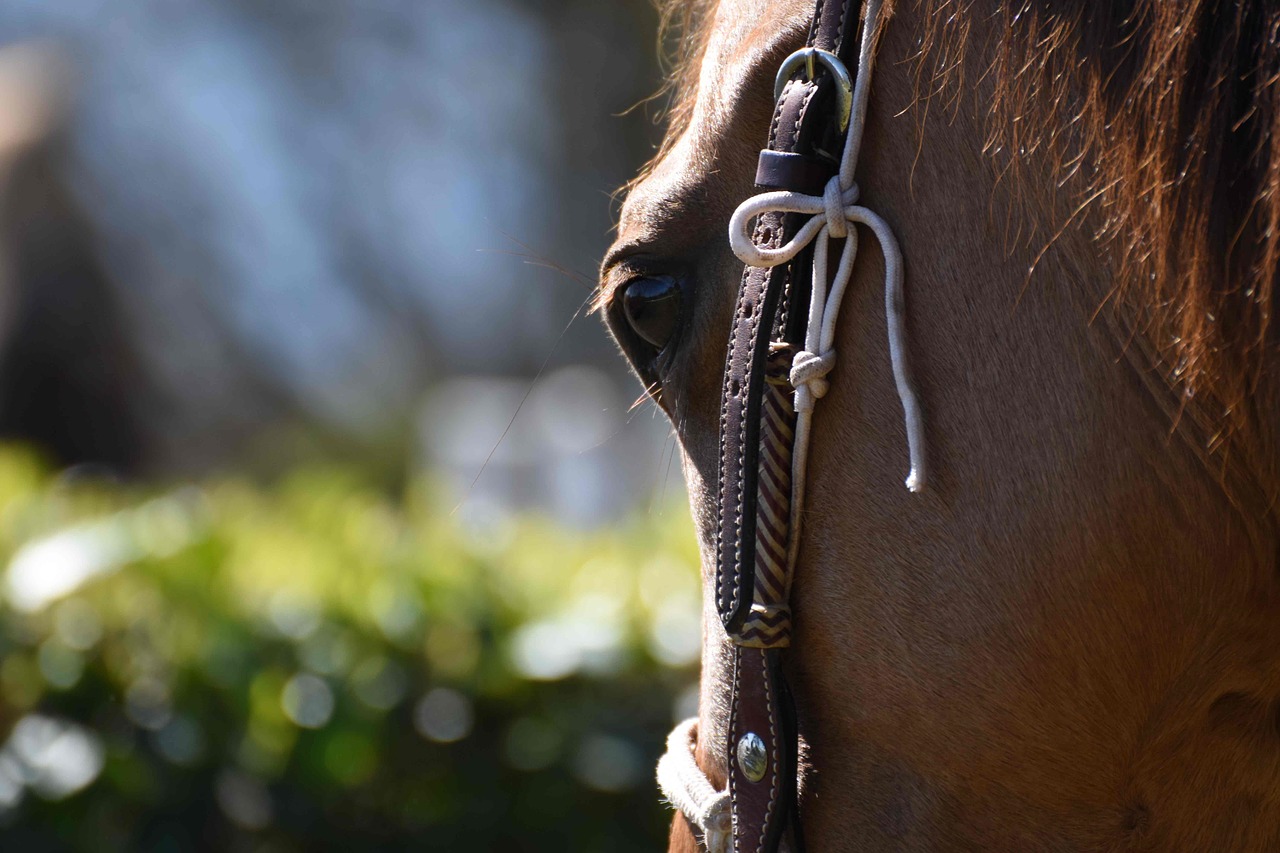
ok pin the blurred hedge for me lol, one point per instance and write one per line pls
(317, 665)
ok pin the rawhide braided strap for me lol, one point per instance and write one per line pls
(780, 350)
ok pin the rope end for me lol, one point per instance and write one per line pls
(915, 482)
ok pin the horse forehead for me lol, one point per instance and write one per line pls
(745, 40)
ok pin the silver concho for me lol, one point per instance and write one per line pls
(752, 757)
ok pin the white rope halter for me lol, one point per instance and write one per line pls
(686, 788)
(682, 781)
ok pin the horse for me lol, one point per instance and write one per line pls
(1069, 640)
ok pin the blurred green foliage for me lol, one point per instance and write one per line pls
(318, 665)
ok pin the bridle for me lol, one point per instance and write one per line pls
(775, 371)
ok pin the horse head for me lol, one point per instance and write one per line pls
(1069, 640)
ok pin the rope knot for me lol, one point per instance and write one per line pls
(808, 377)
(832, 203)
(835, 199)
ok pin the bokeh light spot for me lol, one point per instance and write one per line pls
(443, 715)
(60, 666)
(146, 703)
(379, 683)
(181, 741)
(56, 757)
(307, 701)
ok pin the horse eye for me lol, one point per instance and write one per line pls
(652, 308)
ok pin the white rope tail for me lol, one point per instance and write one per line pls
(686, 788)
(830, 218)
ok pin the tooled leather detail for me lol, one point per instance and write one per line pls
(754, 710)
(768, 624)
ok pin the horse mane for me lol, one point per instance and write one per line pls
(1158, 115)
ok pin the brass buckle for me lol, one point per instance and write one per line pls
(809, 57)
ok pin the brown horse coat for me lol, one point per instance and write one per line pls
(1070, 640)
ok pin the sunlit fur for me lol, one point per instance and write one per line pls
(1161, 115)
(1071, 641)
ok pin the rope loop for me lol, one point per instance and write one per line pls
(687, 788)
(743, 243)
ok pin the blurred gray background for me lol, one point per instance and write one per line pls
(246, 233)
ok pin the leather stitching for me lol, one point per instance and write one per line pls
(804, 106)
(733, 729)
(844, 12)
(722, 575)
(775, 753)
(777, 113)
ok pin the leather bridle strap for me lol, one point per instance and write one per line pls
(757, 428)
